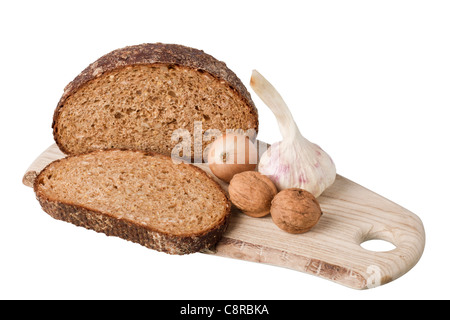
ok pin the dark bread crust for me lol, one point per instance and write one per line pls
(155, 53)
(103, 222)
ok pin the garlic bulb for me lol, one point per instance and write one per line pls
(294, 162)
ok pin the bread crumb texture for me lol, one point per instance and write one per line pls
(139, 107)
(145, 189)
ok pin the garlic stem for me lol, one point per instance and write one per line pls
(272, 98)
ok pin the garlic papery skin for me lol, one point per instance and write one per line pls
(294, 162)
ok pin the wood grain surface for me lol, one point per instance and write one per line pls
(352, 214)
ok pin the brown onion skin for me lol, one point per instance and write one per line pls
(226, 169)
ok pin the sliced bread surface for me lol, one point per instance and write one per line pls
(137, 96)
(137, 196)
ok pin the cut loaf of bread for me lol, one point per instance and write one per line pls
(137, 96)
(138, 196)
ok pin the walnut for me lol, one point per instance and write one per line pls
(252, 192)
(295, 210)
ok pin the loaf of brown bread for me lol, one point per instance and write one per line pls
(138, 196)
(135, 97)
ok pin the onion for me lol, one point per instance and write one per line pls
(231, 154)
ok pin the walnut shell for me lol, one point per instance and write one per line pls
(252, 192)
(295, 210)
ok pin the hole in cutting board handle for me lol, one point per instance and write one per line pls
(378, 245)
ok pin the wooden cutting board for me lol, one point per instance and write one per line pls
(352, 214)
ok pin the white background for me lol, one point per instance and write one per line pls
(369, 81)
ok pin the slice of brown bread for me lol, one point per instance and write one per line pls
(135, 97)
(137, 196)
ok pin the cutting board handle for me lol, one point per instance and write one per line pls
(369, 216)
